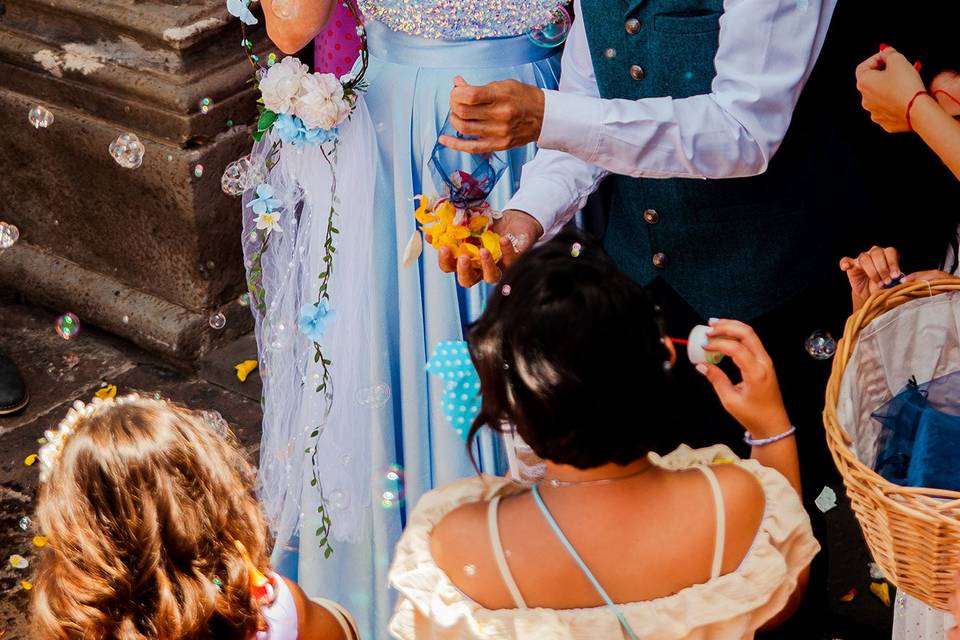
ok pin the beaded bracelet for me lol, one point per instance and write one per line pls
(765, 441)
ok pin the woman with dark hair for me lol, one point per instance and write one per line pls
(923, 98)
(615, 540)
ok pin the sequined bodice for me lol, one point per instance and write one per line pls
(460, 19)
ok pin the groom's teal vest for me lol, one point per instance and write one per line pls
(731, 248)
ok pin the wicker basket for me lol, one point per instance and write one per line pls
(913, 533)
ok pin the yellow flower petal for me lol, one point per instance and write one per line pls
(26, 585)
(478, 224)
(30, 459)
(423, 214)
(491, 242)
(244, 369)
(446, 212)
(471, 250)
(882, 591)
(109, 391)
(458, 233)
(40, 541)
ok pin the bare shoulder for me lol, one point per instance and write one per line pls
(315, 621)
(460, 545)
(744, 503)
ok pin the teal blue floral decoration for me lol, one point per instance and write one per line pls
(266, 201)
(314, 319)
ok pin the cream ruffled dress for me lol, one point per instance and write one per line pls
(732, 606)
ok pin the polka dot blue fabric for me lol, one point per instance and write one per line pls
(461, 398)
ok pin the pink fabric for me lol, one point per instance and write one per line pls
(337, 46)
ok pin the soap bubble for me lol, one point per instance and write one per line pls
(40, 117)
(242, 174)
(68, 326)
(392, 488)
(285, 9)
(9, 234)
(205, 105)
(375, 396)
(554, 33)
(127, 150)
(218, 321)
(339, 500)
(198, 170)
(24, 523)
(821, 345)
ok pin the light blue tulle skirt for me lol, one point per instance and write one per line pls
(410, 79)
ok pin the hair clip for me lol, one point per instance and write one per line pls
(261, 588)
(49, 454)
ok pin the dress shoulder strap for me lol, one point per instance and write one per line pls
(721, 517)
(583, 565)
(493, 528)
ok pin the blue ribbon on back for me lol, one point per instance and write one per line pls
(461, 398)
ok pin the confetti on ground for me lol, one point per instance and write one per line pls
(71, 360)
(244, 369)
(719, 459)
(109, 391)
(26, 585)
(882, 591)
(827, 499)
(849, 596)
(40, 541)
(17, 561)
(30, 459)
(876, 573)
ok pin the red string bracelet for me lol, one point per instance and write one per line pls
(910, 106)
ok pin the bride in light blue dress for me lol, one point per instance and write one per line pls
(416, 49)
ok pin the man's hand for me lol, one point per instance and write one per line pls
(500, 115)
(514, 227)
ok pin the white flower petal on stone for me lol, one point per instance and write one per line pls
(321, 103)
(413, 250)
(282, 84)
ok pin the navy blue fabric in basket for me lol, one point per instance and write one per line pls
(920, 442)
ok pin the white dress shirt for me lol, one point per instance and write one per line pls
(767, 49)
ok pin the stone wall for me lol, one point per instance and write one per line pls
(148, 253)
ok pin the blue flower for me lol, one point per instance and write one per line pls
(287, 128)
(291, 130)
(265, 202)
(240, 9)
(313, 320)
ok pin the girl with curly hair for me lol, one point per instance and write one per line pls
(154, 532)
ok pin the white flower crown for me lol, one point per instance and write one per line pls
(50, 452)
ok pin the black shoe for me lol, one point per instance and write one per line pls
(13, 393)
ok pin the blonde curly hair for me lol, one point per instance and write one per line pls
(143, 510)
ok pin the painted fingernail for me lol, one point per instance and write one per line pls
(702, 368)
(917, 65)
(884, 47)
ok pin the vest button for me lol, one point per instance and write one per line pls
(637, 72)
(651, 216)
(659, 260)
(632, 26)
